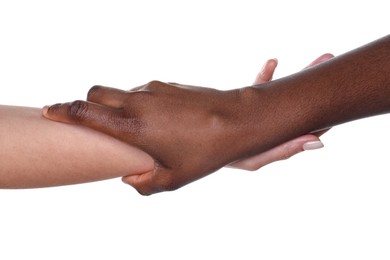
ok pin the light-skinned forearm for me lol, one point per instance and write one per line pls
(36, 152)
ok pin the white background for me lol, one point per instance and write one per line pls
(327, 204)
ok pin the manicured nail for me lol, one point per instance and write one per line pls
(312, 145)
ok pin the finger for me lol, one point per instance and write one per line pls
(151, 182)
(141, 182)
(322, 58)
(267, 71)
(107, 96)
(104, 119)
(280, 152)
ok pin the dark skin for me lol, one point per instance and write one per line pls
(192, 131)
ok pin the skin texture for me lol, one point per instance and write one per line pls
(192, 132)
(285, 150)
(36, 152)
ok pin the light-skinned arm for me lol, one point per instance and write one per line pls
(36, 152)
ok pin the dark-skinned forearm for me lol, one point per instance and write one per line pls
(349, 87)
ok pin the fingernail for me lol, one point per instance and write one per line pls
(312, 145)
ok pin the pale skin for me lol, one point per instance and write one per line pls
(192, 131)
(40, 153)
(36, 152)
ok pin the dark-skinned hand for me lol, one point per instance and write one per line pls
(189, 131)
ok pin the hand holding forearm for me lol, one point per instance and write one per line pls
(191, 131)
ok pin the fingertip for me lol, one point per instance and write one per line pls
(78, 111)
(267, 71)
(303, 143)
(124, 179)
(312, 145)
(325, 57)
(320, 59)
(47, 111)
(131, 179)
(328, 55)
(269, 65)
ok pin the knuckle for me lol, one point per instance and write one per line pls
(155, 82)
(154, 85)
(94, 91)
(78, 110)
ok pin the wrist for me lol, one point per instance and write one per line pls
(273, 116)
